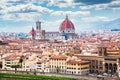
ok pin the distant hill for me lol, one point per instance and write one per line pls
(115, 29)
(114, 24)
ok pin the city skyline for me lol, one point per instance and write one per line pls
(20, 15)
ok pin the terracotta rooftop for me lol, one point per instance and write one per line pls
(77, 61)
(12, 57)
(59, 57)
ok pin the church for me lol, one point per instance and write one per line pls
(66, 31)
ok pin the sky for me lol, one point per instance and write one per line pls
(21, 15)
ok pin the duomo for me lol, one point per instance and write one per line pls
(66, 31)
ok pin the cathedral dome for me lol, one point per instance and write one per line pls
(66, 24)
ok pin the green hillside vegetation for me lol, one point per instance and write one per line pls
(31, 77)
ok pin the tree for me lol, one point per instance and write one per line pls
(0, 65)
(20, 61)
(15, 66)
(58, 69)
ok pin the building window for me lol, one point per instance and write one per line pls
(100, 52)
(74, 72)
(7, 62)
(101, 62)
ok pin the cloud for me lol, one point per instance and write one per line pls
(91, 2)
(3, 4)
(25, 8)
(86, 4)
(95, 19)
(83, 4)
(73, 3)
(112, 5)
(26, 12)
(26, 1)
(76, 13)
(50, 25)
(18, 1)
(63, 3)
(20, 16)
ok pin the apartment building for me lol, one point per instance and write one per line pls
(58, 63)
(77, 67)
(10, 60)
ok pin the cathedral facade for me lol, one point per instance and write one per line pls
(66, 31)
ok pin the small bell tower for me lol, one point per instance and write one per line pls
(33, 33)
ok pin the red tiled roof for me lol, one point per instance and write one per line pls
(60, 57)
(77, 62)
(12, 57)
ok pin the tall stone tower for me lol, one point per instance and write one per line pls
(38, 30)
(33, 34)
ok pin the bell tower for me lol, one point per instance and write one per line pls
(33, 33)
(38, 30)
